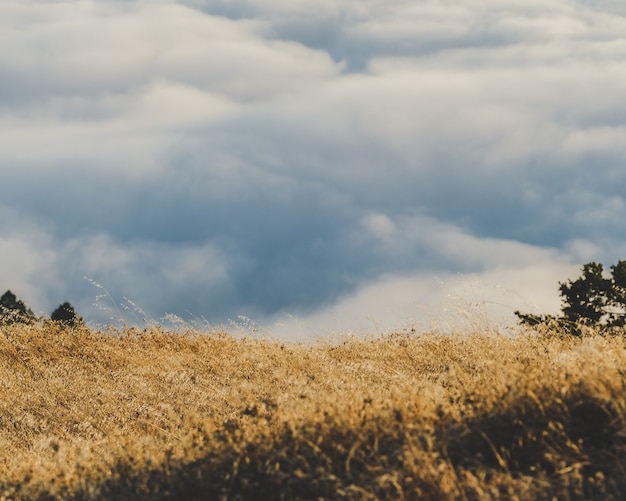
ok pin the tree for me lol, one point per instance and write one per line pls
(12, 310)
(592, 299)
(586, 299)
(66, 314)
(617, 298)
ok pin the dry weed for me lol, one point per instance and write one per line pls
(157, 415)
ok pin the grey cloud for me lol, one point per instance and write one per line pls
(358, 32)
(345, 29)
(107, 51)
(223, 162)
(159, 277)
(438, 300)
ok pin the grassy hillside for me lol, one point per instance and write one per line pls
(157, 415)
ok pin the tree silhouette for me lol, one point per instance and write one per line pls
(617, 296)
(67, 315)
(592, 299)
(12, 310)
(587, 298)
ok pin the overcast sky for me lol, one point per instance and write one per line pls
(314, 165)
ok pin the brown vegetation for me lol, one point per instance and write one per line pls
(157, 415)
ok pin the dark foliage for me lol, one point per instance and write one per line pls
(590, 300)
(67, 315)
(12, 310)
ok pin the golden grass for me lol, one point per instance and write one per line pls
(157, 415)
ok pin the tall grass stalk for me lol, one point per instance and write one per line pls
(152, 414)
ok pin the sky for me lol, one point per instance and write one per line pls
(310, 166)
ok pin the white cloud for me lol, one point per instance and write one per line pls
(27, 264)
(86, 47)
(275, 156)
(87, 82)
(436, 301)
(508, 276)
(414, 234)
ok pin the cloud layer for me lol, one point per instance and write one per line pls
(324, 160)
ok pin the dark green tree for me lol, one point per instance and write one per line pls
(617, 298)
(67, 315)
(586, 299)
(592, 299)
(12, 310)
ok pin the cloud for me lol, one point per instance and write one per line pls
(434, 301)
(27, 258)
(104, 47)
(307, 158)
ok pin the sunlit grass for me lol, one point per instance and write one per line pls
(152, 414)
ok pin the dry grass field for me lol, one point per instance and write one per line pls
(159, 415)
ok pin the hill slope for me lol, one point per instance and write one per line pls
(158, 415)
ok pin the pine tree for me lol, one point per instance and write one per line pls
(592, 299)
(587, 298)
(67, 315)
(12, 310)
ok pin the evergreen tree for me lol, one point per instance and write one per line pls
(617, 317)
(12, 310)
(592, 299)
(586, 299)
(66, 315)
